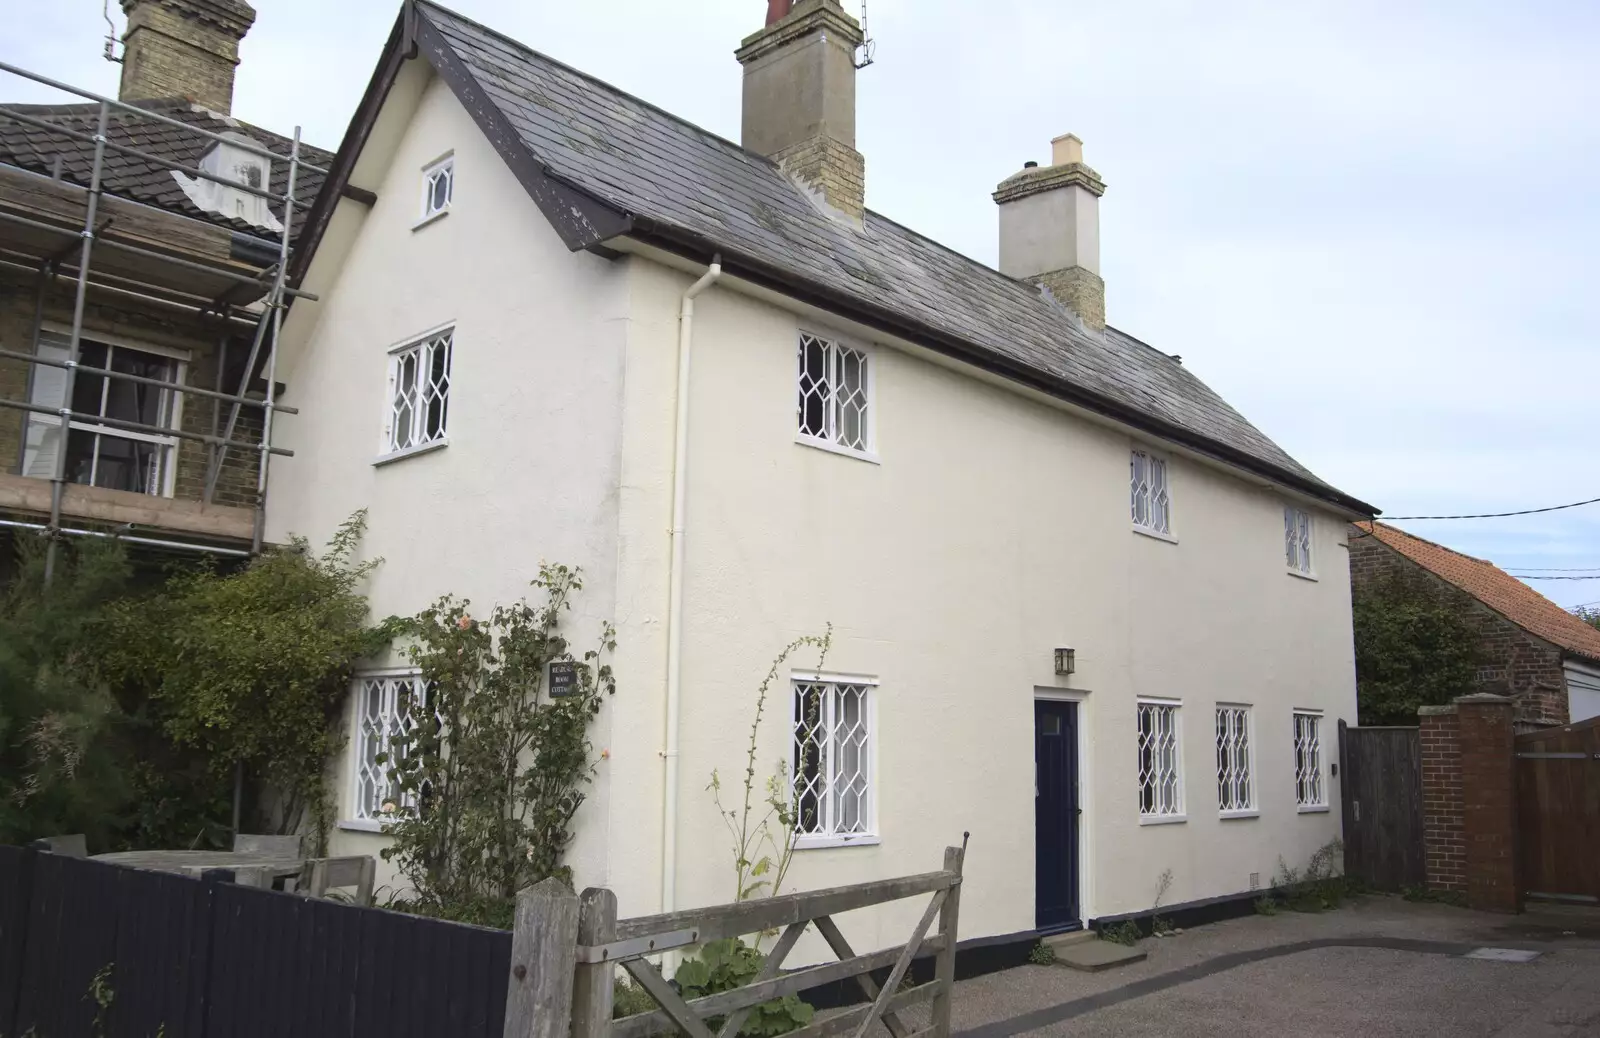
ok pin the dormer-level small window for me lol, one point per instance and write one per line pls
(1152, 503)
(1297, 529)
(438, 186)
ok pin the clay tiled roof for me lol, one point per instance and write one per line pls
(1497, 589)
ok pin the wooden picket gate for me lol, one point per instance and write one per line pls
(567, 948)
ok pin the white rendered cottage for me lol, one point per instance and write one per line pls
(607, 312)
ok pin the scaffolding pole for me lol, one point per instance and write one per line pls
(58, 482)
(273, 282)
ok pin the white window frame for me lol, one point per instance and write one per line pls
(427, 213)
(1229, 761)
(830, 836)
(829, 439)
(173, 403)
(363, 816)
(1163, 531)
(1317, 778)
(1299, 542)
(422, 344)
(1176, 810)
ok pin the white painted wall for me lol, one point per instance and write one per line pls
(1583, 691)
(531, 470)
(994, 529)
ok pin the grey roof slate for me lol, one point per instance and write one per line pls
(125, 176)
(647, 162)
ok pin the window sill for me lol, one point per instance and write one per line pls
(1313, 809)
(1231, 815)
(1303, 576)
(361, 825)
(817, 843)
(1145, 531)
(833, 448)
(1162, 819)
(431, 218)
(410, 452)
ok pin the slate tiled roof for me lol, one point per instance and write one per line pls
(647, 162)
(32, 148)
(1495, 588)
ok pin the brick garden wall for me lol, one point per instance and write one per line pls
(1469, 801)
(1514, 662)
(1444, 843)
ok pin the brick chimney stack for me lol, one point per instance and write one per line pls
(1050, 229)
(800, 98)
(183, 48)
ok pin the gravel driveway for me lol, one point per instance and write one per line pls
(1380, 967)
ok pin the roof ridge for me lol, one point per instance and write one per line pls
(612, 87)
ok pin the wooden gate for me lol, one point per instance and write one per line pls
(1558, 812)
(566, 951)
(1382, 783)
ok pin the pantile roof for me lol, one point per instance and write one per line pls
(1495, 588)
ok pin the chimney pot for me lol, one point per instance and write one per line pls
(1030, 164)
(1050, 229)
(1065, 150)
(778, 10)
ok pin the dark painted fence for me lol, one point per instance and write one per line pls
(197, 958)
(1382, 783)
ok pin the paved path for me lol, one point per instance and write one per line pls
(1380, 967)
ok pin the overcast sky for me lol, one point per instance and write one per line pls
(1370, 226)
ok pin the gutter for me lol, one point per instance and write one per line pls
(680, 488)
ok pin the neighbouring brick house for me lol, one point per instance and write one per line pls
(177, 273)
(1541, 656)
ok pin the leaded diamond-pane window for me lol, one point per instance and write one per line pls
(438, 186)
(1152, 507)
(388, 708)
(1235, 790)
(832, 762)
(1160, 767)
(1308, 788)
(1297, 539)
(419, 392)
(833, 398)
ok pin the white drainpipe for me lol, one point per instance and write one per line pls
(680, 470)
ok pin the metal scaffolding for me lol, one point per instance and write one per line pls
(74, 262)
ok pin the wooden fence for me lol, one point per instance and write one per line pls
(1382, 804)
(567, 950)
(190, 958)
(1558, 812)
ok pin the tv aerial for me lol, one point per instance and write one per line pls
(867, 53)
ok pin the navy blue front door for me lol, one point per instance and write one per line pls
(1055, 814)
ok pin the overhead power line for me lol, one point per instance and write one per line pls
(1497, 515)
(1559, 569)
(1534, 576)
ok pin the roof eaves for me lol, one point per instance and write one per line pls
(678, 239)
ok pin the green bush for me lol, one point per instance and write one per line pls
(1414, 647)
(1041, 954)
(1126, 933)
(725, 965)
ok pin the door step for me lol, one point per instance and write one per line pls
(1092, 955)
(1062, 941)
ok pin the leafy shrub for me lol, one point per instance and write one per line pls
(488, 786)
(1322, 886)
(1041, 954)
(728, 964)
(251, 668)
(1414, 647)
